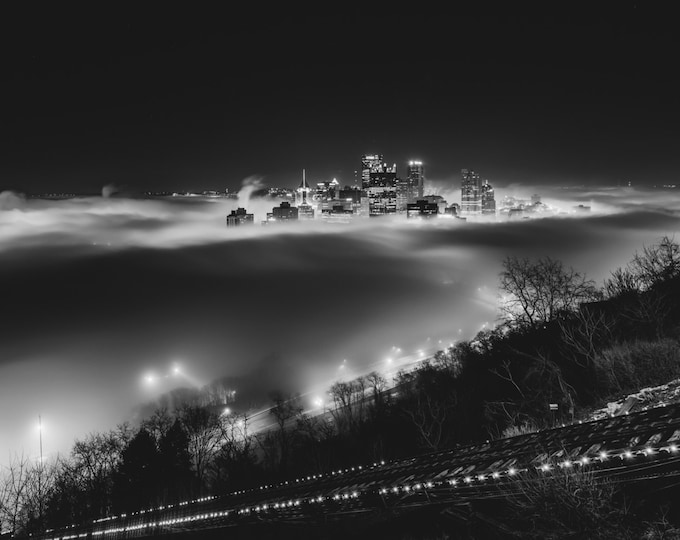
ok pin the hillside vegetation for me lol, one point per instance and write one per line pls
(561, 340)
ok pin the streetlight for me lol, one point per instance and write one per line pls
(40, 436)
(40, 472)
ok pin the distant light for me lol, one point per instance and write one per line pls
(176, 370)
(150, 378)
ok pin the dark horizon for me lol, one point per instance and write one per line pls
(173, 100)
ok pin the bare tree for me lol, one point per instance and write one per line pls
(428, 401)
(93, 462)
(348, 403)
(587, 331)
(377, 385)
(657, 263)
(204, 429)
(284, 410)
(25, 485)
(536, 292)
(13, 493)
(159, 423)
(642, 282)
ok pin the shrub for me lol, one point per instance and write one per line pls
(633, 365)
(566, 503)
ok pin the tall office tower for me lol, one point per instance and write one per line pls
(471, 194)
(404, 195)
(488, 199)
(370, 163)
(381, 190)
(416, 180)
(305, 209)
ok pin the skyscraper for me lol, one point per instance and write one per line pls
(471, 194)
(303, 198)
(369, 164)
(488, 199)
(410, 189)
(416, 180)
(381, 189)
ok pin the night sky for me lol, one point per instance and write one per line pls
(156, 97)
(99, 291)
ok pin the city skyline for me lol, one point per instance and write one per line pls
(274, 205)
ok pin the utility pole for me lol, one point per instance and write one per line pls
(40, 473)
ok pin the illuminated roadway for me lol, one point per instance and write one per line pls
(261, 421)
(639, 449)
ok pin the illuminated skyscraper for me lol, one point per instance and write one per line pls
(471, 194)
(381, 190)
(410, 189)
(416, 180)
(488, 199)
(305, 209)
(370, 163)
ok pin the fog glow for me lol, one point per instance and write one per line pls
(101, 293)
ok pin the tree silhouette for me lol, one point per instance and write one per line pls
(137, 479)
(536, 292)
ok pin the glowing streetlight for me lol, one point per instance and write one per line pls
(317, 402)
(40, 498)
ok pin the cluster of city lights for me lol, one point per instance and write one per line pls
(546, 466)
(415, 487)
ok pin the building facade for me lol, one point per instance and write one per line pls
(416, 180)
(471, 194)
(283, 212)
(240, 217)
(488, 199)
(422, 209)
(369, 164)
(379, 182)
